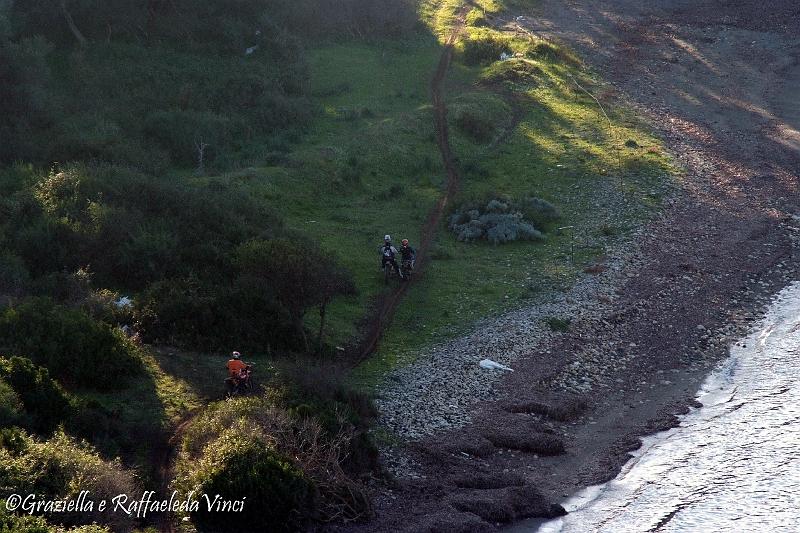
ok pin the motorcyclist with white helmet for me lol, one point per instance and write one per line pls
(388, 253)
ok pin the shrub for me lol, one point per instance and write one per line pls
(71, 345)
(45, 403)
(189, 312)
(500, 220)
(558, 324)
(550, 52)
(301, 275)
(279, 497)
(61, 467)
(478, 116)
(14, 276)
(539, 212)
(10, 405)
(321, 455)
(512, 71)
(474, 125)
(485, 49)
(11, 523)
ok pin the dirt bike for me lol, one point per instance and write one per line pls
(406, 269)
(388, 270)
(241, 385)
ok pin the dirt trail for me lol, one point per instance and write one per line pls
(164, 462)
(382, 312)
(719, 80)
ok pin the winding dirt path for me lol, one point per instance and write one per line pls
(382, 312)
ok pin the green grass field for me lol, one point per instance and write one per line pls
(370, 166)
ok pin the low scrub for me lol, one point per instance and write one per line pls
(279, 496)
(314, 483)
(501, 220)
(543, 50)
(74, 348)
(478, 116)
(30, 397)
(514, 70)
(59, 468)
(10, 406)
(485, 49)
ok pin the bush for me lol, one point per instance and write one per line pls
(14, 277)
(61, 467)
(45, 403)
(501, 220)
(11, 523)
(540, 213)
(71, 345)
(478, 116)
(10, 405)
(558, 324)
(513, 71)
(279, 497)
(550, 52)
(189, 312)
(323, 456)
(485, 49)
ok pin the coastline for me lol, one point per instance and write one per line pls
(701, 274)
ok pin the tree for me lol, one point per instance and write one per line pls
(301, 275)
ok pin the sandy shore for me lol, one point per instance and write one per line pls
(720, 81)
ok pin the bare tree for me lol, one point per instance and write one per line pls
(200, 145)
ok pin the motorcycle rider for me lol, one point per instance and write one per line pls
(388, 253)
(407, 253)
(235, 365)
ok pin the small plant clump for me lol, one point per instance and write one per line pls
(501, 220)
(484, 50)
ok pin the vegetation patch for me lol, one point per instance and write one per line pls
(502, 220)
(59, 468)
(558, 324)
(314, 484)
(478, 116)
(74, 348)
(279, 497)
(515, 71)
(485, 49)
(32, 399)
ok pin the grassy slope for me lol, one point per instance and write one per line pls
(561, 150)
(370, 166)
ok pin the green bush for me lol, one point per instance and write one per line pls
(75, 348)
(14, 276)
(485, 49)
(45, 403)
(280, 421)
(514, 71)
(478, 116)
(10, 405)
(11, 523)
(188, 312)
(61, 467)
(279, 497)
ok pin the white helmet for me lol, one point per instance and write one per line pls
(387, 237)
(236, 355)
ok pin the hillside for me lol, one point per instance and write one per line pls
(182, 179)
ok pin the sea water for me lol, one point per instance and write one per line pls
(732, 465)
